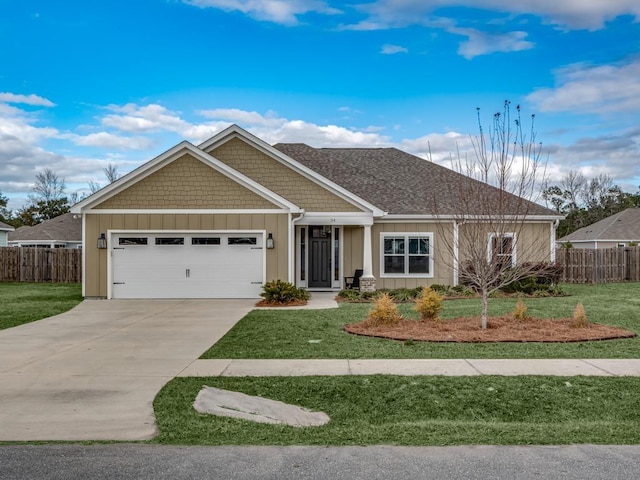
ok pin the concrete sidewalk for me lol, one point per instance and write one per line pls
(447, 367)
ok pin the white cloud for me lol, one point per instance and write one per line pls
(592, 89)
(235, 115)
(109, 140)
(388, 49)
(482, 43)
(31, 99)
(570, 14)
(285, 12)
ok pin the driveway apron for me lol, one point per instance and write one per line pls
(92, 373)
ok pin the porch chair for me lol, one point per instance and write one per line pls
(353, 282)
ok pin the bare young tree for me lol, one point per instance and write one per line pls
(48, 186)
(492, 244)
(111, 173)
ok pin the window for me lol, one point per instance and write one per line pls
(205, 241)
(170, 241)
(242, 241)
(407, 254)
(132, 241)
(502, 250)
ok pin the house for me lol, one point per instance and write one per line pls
(4, 231)
(63, 231)
(618, 230)
(220, 219)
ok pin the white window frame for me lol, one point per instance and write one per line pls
(407, 236)
(514, 246)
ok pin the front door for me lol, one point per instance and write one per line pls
(319, 257)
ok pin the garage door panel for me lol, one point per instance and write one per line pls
(187, 270)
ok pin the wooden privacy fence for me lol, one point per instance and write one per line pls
(604, 265)
(28, 264)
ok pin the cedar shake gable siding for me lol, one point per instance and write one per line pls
(279, 178)
(401, 183)
(186, 183)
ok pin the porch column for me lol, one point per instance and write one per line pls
(367, 281)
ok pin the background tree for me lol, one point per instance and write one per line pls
(111, 173)
(47, 201)
(494, 201)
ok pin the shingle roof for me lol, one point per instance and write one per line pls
(4, 226)
(401, 183)
(64, 228)
(623, 225)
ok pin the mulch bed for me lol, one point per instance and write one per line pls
(499, 329)
(294, 303)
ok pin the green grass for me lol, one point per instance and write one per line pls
(26, 302)
(287, 334)
(370, 410)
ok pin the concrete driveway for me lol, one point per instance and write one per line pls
(92, 373)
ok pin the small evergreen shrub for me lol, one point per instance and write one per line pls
(579, 319)
(403, 294)
(278, 291)
(384, 313)
(429, 305)
(520, 311)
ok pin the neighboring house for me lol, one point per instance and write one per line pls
(4, 231)
(618, 230)
(64, 231)
(220, 219)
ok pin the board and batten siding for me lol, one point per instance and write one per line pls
(96, 260)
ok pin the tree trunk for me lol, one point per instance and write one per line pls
(485, 307)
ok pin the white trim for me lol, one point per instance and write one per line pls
(234, 131)
(402, 218)
(456, 253)
(174, 211)
(514, 245)
(336, 218)
(337, 283)
(552, 244)
(166, 158)
(112, 232)
(84, 255)
(431, 237)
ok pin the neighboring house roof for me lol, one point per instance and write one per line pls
(5, 227)
(64, 228)
(623, 225)
(398, 182)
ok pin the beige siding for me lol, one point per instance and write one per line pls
(187, 183)
(96, 260)
(352, 246)
(442, 268)
(533, 240)
(279, 178)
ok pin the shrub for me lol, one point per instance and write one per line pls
(350, 294)
(403, 294)
(278, 291)
(520, 312)
(429, 305)
(384, 312)
(579, 319)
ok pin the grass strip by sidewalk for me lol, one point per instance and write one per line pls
(26, 302)
(291, 334)
(374, 410)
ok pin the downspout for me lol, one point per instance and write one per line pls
(456, 271)
(292, 246)
(553, 240)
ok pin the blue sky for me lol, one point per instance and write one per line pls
(85, 83)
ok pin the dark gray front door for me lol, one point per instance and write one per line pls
(319, 257)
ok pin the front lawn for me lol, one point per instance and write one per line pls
(26, 302)
(373, 410)
(290, 334)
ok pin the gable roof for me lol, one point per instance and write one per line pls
(398, 182)
(5, 227)
(64, 228)
(623, 225)
(234, 131)
(169, 156)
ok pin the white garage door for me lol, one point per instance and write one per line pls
(187, 265)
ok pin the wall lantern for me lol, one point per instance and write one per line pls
(270, 243)
(102, 241)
